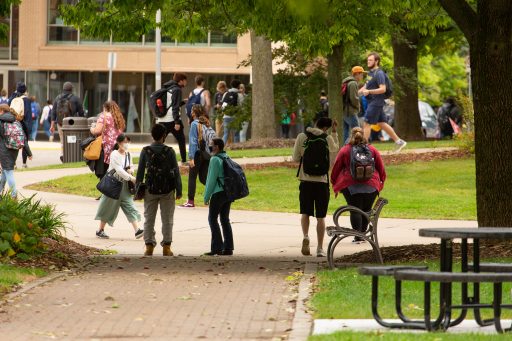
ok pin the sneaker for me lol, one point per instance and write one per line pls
(167, 250)
(188, 204)
(139, 233)
(61, 159)
(227, 252)
(305, 247)
(212, 253)
(50, 138)
(358, 240)
(24, 166)
(399, 145)
(320, 253)
(101, 234)
(185, 164)
(149, 250)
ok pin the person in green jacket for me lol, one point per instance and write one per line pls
(218, 202)
(351, 101)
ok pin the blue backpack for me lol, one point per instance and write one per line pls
(193, 99)
(235, 182)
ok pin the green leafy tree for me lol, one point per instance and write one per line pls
(5, 11)
(486, 26)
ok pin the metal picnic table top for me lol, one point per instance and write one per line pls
(468, 233)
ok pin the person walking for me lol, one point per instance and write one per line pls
(374, 90)
(66, 104)
(172, 120)
(46, 118)
(3, 97)
(36, 112)
(285, 119)
(110, 125)
(10, 130)
(316, 151)
(245, 124)
(219, 204)
(231, 102)
(108, 209)
(21, 104)
(198, 96)
(221, 90)
(351, 101)
(358, 193)
(158, 169)
(448, 111)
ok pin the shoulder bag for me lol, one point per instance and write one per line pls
(93, 150)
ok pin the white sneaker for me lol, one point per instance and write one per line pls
(320, 253)
(399, 145)
(305, 247)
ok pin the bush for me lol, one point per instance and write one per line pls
(24, 223)
(466, 139)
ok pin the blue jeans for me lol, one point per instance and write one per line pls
(226, 121)
(8, 176)
(46, 127)
(220, 205)
(33, 133)
(243, 132)
(349, 123)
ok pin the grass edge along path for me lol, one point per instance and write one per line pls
(11, 276)
(404, 336)
(442, 189)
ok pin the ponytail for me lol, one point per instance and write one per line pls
(357, 137)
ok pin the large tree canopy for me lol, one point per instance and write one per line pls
(5, 11)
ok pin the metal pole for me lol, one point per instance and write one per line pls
(111, 57)
(158, 50)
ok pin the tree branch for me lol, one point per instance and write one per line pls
(464, 16)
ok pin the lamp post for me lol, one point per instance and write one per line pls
(158, 50)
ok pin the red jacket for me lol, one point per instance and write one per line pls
(340, 175)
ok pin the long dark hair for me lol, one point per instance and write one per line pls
(120, 139)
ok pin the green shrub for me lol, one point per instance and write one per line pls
(466, 139)
(24, 223)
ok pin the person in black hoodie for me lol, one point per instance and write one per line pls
(172, 120)
(158, 170)
(21, 90)
(8, 156)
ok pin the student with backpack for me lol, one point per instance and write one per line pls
(225, 183)
(165, 104)
(12, 139)
(359, 174)
(160, 175)
(200, 137)
(20, 102)
(198, 96)
(66, 104)
(316, 151)
(45, 119)
(36, 112)
(377, 89)
(351, 106)
(231, 103)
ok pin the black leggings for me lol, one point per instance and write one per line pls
(364, 201)
(179, 135)
(192, 179)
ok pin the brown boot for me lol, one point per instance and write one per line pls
(149, 250)
(167, 250)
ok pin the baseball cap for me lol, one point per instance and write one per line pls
(357, 69)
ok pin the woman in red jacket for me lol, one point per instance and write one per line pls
(360, 194)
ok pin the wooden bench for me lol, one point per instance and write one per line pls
(338, 232)
(497, 278)
(376, 272)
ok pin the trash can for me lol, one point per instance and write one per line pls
(74, 129)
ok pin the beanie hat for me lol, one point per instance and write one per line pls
(21, 87)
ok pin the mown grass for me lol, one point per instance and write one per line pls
(427, 190)
(13, 275)
(395, 336)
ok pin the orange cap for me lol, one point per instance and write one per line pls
(357, 69)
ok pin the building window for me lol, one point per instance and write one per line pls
(9, 47)
(58, 32)
(221, 39)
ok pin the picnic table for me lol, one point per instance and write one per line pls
(475, 273)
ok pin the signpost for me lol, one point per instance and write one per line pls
(112, 61)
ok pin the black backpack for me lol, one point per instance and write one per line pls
(63, 108)
(193, 99)
(158, 102)
(362, 162)
(315, 160)
(230, 98)
(235, 182)
(389, 87)
(160, 176)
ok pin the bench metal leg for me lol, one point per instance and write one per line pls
(330, 249)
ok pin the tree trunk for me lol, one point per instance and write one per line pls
(490, 74)
(334, 78)
(263, 113)
(407, 116)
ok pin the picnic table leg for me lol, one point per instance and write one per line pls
(476, 286)
(398, 303)
(497, 307)
(444, 288)
(464, 286)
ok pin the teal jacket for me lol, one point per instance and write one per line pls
(215, 178)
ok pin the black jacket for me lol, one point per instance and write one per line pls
(76, 105)
(176, 99)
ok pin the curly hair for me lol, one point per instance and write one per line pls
(200, 114)
(4, 108)
(113, 108)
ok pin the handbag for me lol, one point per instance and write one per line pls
(110, 186)
(93, 150)
(87, 142)
(140, 191)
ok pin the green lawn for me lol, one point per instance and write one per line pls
(429, 190)
(12, 275)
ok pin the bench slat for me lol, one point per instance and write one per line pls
(388, 270)
(447, 277)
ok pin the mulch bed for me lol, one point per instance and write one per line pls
(420, 253)
(60, 254)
